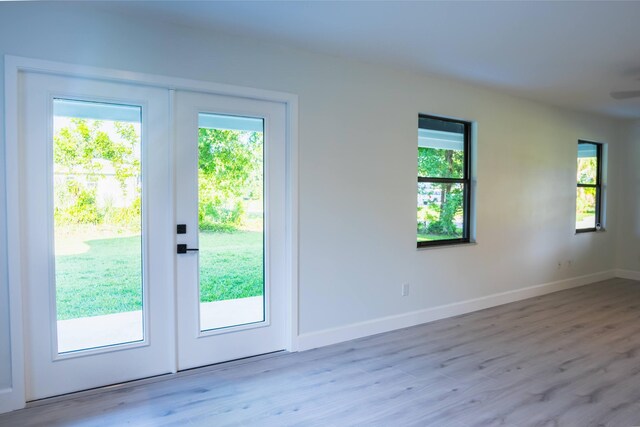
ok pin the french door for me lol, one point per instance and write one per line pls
(230, 174)
(112, 213)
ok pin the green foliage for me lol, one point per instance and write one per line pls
(81, 153)
(128, 217)
(437, 218)
(587, 170)
(84, 148)
(230, 172)
(78, 204)
(214, 215)
(440, 163)
(587, 174)
(586, 201)
(451, 207)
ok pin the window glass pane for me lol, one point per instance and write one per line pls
(586, 208)
(587, 163)
(97, 224)
(231, 220)
(440, 211)
(440, 149)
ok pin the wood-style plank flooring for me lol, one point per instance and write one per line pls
(570, 358)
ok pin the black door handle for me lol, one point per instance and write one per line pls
(182, 249)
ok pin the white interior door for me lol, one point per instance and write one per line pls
(230, 198)
(98, 233)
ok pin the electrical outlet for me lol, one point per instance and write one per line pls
(405, 289)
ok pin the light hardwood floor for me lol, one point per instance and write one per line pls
(571, 358)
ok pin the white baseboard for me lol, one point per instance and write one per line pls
(390, 323)
(9, 401)
(628, 274)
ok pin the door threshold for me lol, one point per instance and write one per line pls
(154, 379)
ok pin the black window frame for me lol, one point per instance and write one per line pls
(597, 186)
(465, 180)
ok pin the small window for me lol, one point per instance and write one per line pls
(443, 181)
(589, 191)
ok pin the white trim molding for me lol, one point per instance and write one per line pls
(404, 320)
(14, 397)
(628, 274)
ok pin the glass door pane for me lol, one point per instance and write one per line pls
(230, 220)
(97, 224)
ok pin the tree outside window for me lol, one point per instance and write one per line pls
(588, 195)
(443, 181)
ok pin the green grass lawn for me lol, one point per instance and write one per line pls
(430, 237)
(107, 278)
(581, 216)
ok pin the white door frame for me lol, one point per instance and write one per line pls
(14, 397)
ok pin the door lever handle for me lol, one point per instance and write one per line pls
(182, 249)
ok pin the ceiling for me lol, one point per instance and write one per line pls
(571, 54)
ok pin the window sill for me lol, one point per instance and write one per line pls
(446, 245)
(587, 231)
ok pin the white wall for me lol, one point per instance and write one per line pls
(628, 255)
(358, 138)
